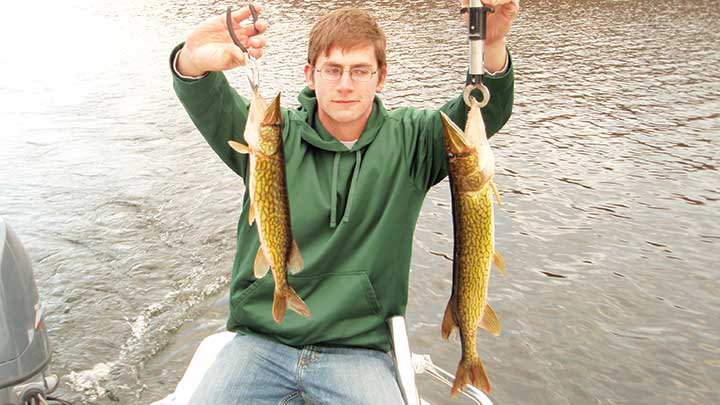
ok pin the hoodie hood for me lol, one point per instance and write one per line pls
(322, 139)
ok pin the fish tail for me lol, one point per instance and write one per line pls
(285, 298)
(296, 303)
(279, 307)
(470, 372)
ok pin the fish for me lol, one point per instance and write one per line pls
(471, 166)
(269, 203)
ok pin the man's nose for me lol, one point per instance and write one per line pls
(345, 83)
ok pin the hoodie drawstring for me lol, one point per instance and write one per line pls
(351, 194)
(333, 191)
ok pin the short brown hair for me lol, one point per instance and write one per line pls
(346, 28)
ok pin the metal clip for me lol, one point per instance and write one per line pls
(253, 75)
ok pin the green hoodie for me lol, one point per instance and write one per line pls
(353, 211)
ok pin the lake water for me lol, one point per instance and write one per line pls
(608, 171)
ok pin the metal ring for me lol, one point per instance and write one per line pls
(470, 101)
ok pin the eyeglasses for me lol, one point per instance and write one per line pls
(358, 74)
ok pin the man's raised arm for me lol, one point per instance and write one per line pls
(214, 106)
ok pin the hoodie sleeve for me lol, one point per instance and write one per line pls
(428, 163)
(217, 110)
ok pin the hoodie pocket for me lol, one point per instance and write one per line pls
(248, 291)
(344, 307)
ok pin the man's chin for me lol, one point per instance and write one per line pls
(345, 118)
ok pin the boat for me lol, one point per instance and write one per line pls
(407, 365)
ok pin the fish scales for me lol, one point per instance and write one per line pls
(270, 200)
(474, 246)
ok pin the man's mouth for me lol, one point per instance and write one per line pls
(345, 101)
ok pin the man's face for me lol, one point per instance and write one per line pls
(344, 102)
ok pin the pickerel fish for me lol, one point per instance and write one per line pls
(269, 205)
(471, 169)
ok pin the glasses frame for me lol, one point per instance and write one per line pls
(322, 72)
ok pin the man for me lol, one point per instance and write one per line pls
(357, 176)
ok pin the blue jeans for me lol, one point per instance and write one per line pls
(253, 369)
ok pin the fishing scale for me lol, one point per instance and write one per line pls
(477, 30)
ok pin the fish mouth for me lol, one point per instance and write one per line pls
(454, 141)
(273, 115)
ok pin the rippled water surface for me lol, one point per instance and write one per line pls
(607, 169)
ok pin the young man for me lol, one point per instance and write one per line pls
(357, 176)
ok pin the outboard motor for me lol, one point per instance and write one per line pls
(24, 346)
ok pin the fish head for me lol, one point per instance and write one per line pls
(256, 113)
(271, 128)
(455, 141)
(462, 154)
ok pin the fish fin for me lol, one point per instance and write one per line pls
(262, 265)
(449, 323)
(288, 298)
(496, 192)
(470, 372)
(297, 304)
(251, 213)
(239, 147)
(490, 321)
(279, 307)
(295, 261)
(499, 262)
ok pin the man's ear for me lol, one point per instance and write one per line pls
(310, 76)
(382, 75)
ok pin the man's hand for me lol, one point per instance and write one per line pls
(499, 22)
(498, 26)
(209, 47)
